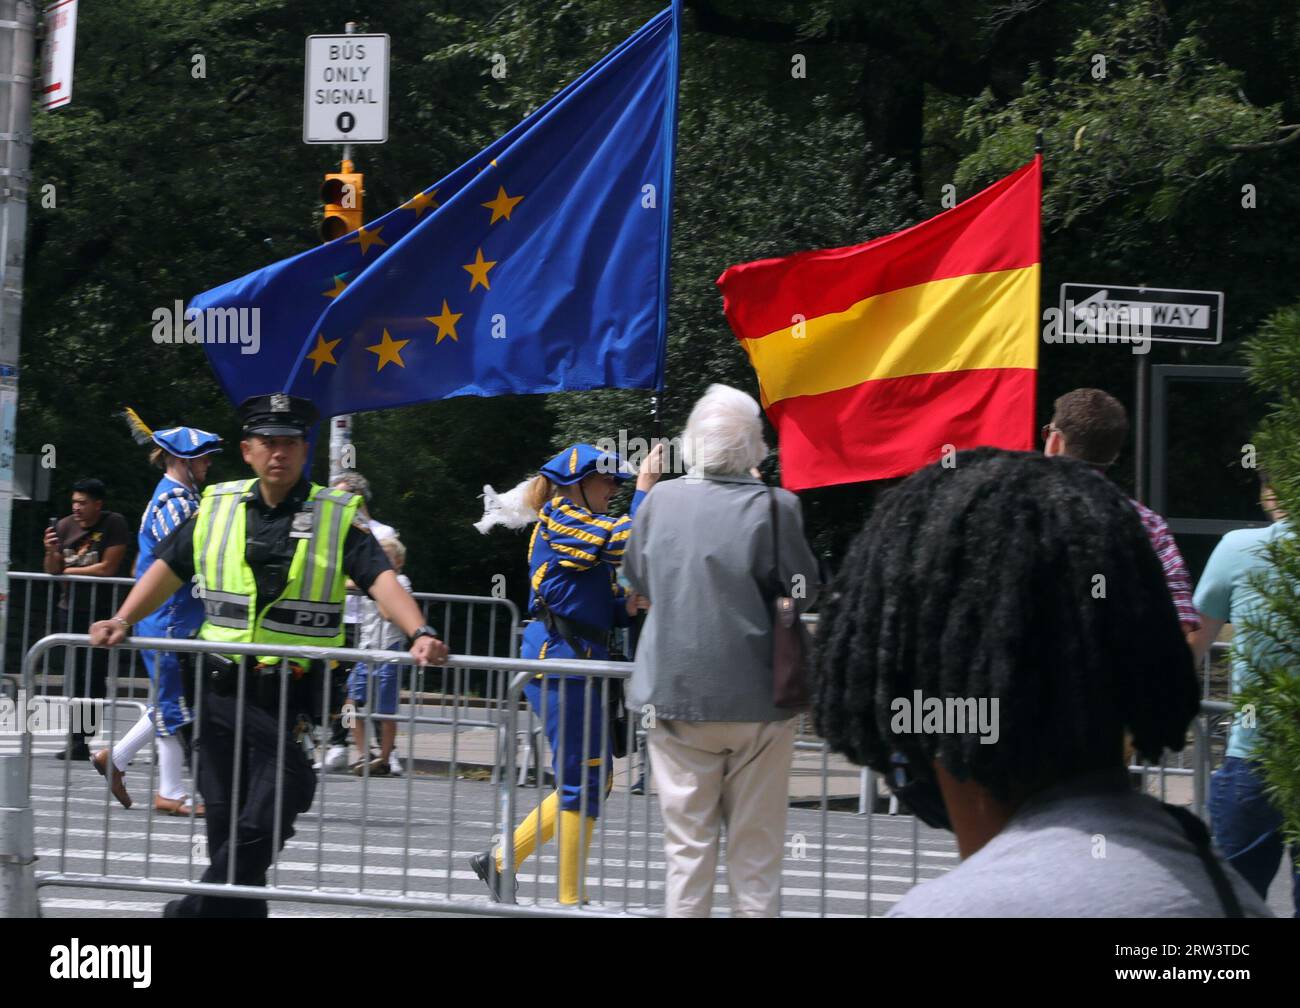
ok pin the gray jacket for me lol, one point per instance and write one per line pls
(701, 550)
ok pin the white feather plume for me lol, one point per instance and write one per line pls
(506, 509)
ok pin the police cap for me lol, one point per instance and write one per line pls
(277, 415)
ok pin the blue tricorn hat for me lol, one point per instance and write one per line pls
(187, 442)
(580, 460)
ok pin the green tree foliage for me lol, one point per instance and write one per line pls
(172, 175)
(168, 183)
(1274, 694)
(1166, 163)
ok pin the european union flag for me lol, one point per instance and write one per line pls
(538, 266)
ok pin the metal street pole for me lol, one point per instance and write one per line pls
(1142, 421)
(17, 51)
(341, 426)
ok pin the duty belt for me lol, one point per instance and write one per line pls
(297, 669)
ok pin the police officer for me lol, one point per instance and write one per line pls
(271, 556)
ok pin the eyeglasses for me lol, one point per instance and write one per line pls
(1048, 430)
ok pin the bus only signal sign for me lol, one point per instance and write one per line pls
(345, 96)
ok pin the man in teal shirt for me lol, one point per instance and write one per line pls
(1247, 826)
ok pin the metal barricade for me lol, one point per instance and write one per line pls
(835, 863)
(1182, 778)
(41, 604)
(468, 624)
(378, 844)
(406, 843)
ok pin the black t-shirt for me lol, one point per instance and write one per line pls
(269, 549)
(83, 547)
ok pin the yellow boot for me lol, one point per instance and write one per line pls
(575, 839)
(538, 823)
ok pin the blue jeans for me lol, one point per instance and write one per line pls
(387, 688)
(1248, 828)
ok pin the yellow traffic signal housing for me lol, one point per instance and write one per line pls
(342, 194)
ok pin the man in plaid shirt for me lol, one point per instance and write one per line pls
(1092, 425)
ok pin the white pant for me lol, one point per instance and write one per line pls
(708, 773)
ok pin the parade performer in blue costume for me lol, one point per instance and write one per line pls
(575, 601)
(185, 455)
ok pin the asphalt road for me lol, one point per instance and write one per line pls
(356, 839)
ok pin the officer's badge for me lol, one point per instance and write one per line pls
(279, 402)
(301, 527)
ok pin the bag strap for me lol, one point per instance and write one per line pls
(1196, 832)
(571, 631)
(775, 585)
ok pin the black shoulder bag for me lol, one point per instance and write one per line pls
(790, 650)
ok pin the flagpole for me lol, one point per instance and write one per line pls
(1038, 302)
(666, 226)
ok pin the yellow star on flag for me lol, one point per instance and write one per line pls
(446, 323)
(366, 238)
(389, 351)
(478, 269)
(502, 205)
(323, 353)
(339, 284)
(421, 202)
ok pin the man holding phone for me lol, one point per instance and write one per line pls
(90, 542)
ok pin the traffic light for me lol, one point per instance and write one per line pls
(341, 193)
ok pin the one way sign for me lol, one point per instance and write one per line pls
(1156, 313)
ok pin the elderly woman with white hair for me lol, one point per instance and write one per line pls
(704, 550)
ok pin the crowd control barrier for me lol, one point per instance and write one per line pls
(475, 766)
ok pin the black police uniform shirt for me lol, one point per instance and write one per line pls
(269, 549)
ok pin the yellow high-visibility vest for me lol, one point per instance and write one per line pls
(309, 611)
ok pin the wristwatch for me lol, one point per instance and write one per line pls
(424, 631)
(121, 622)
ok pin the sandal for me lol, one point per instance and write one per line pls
(101, 761)
(177, 807)
(378, 767)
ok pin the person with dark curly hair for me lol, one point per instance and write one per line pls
(1023, 587)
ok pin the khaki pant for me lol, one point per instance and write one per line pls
(708, 773)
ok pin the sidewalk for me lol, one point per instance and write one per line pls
(473, 748)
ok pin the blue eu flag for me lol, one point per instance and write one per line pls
(540, 265)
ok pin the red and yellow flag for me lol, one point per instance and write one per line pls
(871, 359)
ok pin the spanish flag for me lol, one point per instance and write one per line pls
(872, 359)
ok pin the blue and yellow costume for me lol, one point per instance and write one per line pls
(576, 600)
(171, 506)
